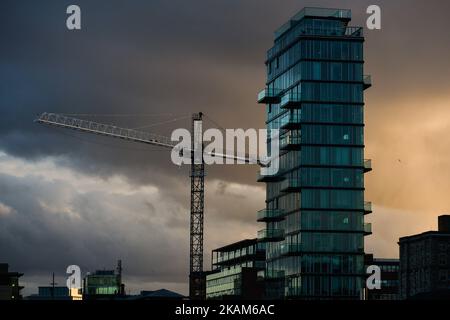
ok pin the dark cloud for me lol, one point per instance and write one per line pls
(179, 57)
(51, 217)
(170, 56)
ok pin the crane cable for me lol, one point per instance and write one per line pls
(119, 114)
(160, 123)
(132, 115)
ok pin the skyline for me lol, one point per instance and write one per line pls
(408, 203)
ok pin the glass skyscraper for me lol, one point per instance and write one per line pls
(314, 215)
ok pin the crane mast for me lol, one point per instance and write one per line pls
(197, 281)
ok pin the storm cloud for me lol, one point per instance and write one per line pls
(67, 197)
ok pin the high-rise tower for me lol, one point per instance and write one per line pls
(315, 206)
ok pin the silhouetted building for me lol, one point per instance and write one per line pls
(104, 284)
(235, 269)
(425, 263)
(9, 283)
(389, 278)
(315, 206)
(161, 294)
(51, 293)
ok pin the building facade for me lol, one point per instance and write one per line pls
(314, 215)
(236, 270)
(425, 263)
(51, 293)
(390, 284)
(9, 283)
(104, 284)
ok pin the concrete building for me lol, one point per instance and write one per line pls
(425, 263)
(315, 206)
(235, 271)
(9, 283)
(390, 284)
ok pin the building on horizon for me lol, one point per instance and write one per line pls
(51, 293)
(390, 284)
(315, 206)
(425, 263)
(235, 271)
(9, 283)
(161, 294)
(104, 284)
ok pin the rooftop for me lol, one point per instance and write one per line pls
(443, 230)
(312, 12)
(425, 235)
(236, 245)
(4, 270)
(103, 273)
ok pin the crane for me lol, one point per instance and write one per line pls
(197, 280)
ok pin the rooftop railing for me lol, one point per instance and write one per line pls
(367, 81)
(290, 142)
(367, 207)
(269, 214)
(269, 95)
(290, 248)
(290, 184)
(367, 228)
(349, 32)
(269, 178)
(268, 234)
(290, 100)
(367, 165)
(274, 274)
(314, 12)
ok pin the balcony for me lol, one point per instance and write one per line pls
(290, 100)
(290, 185)
(269, 96)
(367, 165)
(266, 215)
(367, 207)
(367, 229)
(274, 274)
(290, 143)
(291, 122)
(290, 249)
(269, 178)
(270, 235)
(367, 81)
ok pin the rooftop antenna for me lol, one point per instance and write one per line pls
(53, 283)
(119, 273)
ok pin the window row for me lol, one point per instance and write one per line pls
(339, 156)
(316, 49)
(332, 199)
(332, 113)
(324, 220)
(318, 263)
(328, 177)
(329, 134)
(314, 70)
(323, 286)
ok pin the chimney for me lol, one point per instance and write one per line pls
(444, 223)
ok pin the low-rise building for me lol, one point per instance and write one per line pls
(51, 293)
(425, 263)
(389, 278)
(104, 284)
(9, 283)
(235, 269)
